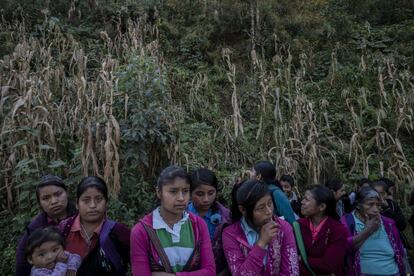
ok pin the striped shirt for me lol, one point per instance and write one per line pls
(177, 242)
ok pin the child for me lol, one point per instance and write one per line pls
(288, 184)
(258, 243)
(169, 240)
(45, 252)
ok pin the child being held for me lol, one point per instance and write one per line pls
(45, 252)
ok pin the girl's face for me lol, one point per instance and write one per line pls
(203, 197)
(263, 211)
(310, 207)
(45, 255)
(92, 205)
(370, 207)
(286, 187)
(174, 196)
(338, 194)
(54, 201)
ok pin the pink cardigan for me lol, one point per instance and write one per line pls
(142, 249)
(243, 259)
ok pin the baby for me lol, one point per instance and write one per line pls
(45, 252)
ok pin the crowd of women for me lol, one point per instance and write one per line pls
(269, 229)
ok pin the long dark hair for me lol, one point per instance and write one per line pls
(247, 194)
(325, 195)
(205, 176)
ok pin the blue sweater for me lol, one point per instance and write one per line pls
(281, 204)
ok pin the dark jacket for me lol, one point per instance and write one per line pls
(111, 255)
(23, 268)
(327, 253)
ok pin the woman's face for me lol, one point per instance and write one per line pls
(370, 207)
(174, 196)
(338, 194)
(92, 205)
(54, 201)
(309, 206)
(203, 197)
(263, 211)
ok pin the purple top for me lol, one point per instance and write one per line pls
(243, 259)
(60, 269)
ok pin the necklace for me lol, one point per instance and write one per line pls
(88, 239)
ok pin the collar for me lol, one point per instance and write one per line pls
(246, 227)
(77, 226)
(159, 223)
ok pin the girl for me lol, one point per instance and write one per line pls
(374, 244)
(204, 204)
(45, 252)
(170, 241)
(288, 185)
(52, 197)
(324, 237)
(258, 243)
(338, 189)
(103, 244)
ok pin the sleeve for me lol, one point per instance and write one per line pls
(59, 270)
(22, 265)
(283, 206)
(140, 260)
(207, 263)
(289, 263)
(334, 254)
(74, 261)
(239, 264)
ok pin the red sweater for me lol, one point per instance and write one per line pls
(327, 253)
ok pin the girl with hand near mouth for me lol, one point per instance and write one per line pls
(169, 240)
(258, 243)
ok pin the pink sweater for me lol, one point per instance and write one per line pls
(243, 259)
(143, 252)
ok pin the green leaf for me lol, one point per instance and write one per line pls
(56, 164)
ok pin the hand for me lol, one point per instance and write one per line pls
(267, 233)
(62, 257)
(71, 272)
(372, 224)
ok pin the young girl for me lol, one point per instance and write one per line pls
(170, 241)
(204, 203)
(258, 243)
(324, 237)
(45, 252)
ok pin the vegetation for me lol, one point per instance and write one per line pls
(121, 88)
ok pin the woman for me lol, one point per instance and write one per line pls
(103, 244)
(338, 189)
(258, 243)
(204, 203)
(266, 172)
(170, 241)
(288, 185)
(52, 197)
(324, 237)
(374, 245)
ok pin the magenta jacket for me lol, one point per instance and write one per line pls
(326, 254)
(243, 259)
(353, 257)
(144, 255)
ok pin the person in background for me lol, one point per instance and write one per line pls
(52, 197)
(363, 182)
(45, 251)
(338, 189)
(258, 243)
(103, 244)
(391, 190)
(266, 172)
(204, 188)
(325, 238)
(374, 244)
(288, 184)
(169, 240)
